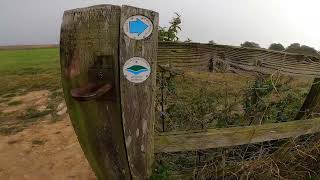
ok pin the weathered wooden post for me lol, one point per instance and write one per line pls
(108, 61)
(138, 54)
(311, 105)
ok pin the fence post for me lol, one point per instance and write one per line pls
(311, 105)
(89, 55)
(138, 53)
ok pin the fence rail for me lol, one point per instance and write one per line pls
(193, 55)
(198, 56)
(215, 138)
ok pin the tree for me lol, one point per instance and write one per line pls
(188, 40)
(276, 47)
(211, 42)
(294, 48)
(250, 44)
(171, 33)
(302, 49)
(309, 50)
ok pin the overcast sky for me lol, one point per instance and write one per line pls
(224, 21)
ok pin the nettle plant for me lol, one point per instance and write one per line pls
(268, 101)
(196, 112)
(265, 100)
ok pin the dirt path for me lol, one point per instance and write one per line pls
(44, 150)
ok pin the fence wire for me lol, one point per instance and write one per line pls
(188, 100)
(194, 100)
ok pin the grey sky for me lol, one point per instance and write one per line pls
(224, 21)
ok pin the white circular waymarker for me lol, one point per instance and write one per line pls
(136, 70)
(138, 27)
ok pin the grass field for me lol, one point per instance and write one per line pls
(26, 70)
(35, 132)
(197, 95)
(22, 72)
(30, 92)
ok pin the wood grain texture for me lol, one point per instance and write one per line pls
(197, 56)
(311, 105)
(137, 100)
(214, 138)
(86, 35)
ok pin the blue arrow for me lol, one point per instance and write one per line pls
(137, 26)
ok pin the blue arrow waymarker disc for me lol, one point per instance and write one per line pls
(138, 27)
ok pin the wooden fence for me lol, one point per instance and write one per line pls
(198, 56)
(113, 115)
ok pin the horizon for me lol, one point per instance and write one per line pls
(231, 23)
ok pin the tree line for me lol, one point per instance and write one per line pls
(171, 34)
(293, 48)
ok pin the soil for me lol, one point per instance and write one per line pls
(35, 99)
(45, 149)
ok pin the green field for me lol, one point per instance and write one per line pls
(189, 98)
(23, 72)
(26, 70)
(193, 100)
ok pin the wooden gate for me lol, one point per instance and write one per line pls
(108, 65)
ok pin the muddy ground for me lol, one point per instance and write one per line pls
(42, 145)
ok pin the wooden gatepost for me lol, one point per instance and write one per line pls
(108, 66)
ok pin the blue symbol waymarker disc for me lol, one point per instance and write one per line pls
(138, 27)
(136, 70)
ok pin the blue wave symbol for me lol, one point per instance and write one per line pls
(137, 72)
